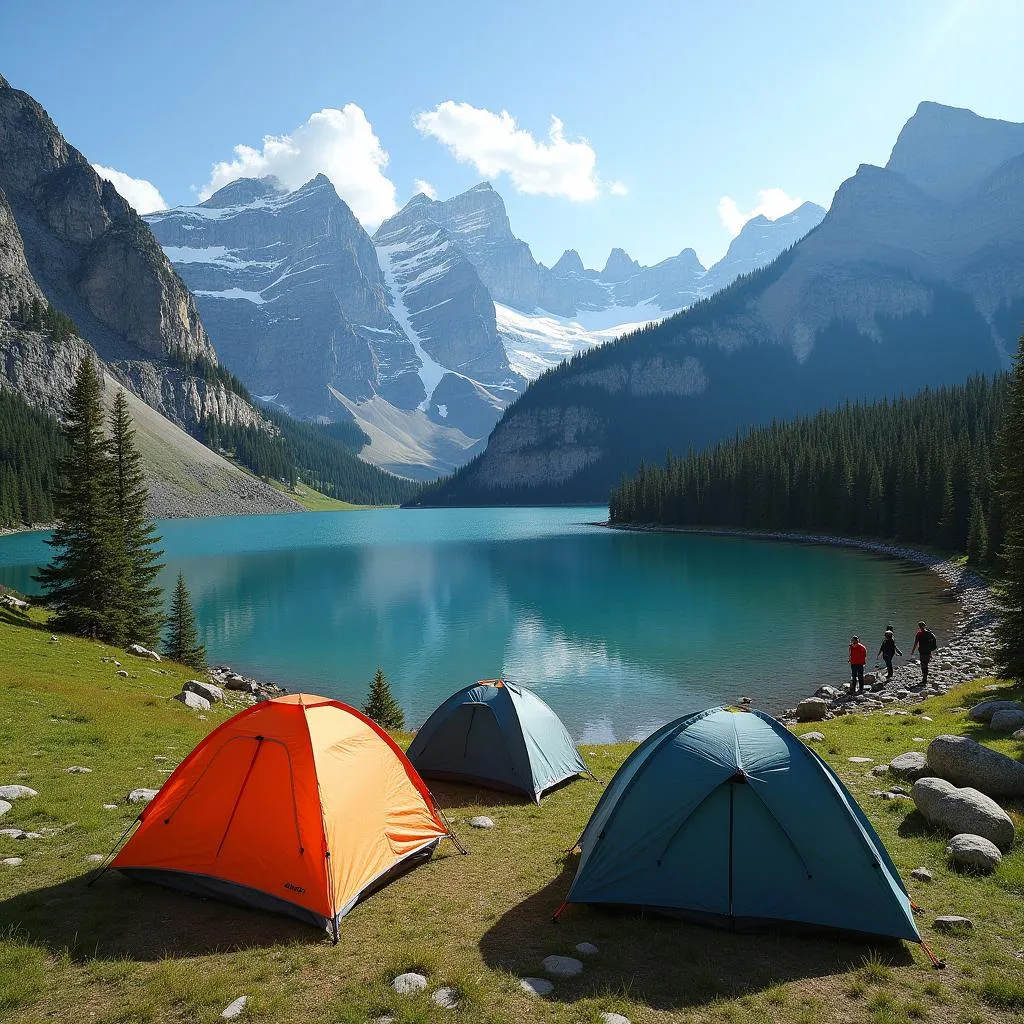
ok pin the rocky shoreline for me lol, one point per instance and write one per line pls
(964, 655)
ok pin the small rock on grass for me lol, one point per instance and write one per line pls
(78, 769)
(860, 760)
(952, 923)
(141, 796)
(974, 852)
(812, 737)
(537, 986)
(586, 949)
(481, 821)
(94, 858)
(234, 1008)
(110, 807)
(562, 966)
(408, 983)
(921, 874)
(193, 700)
(446, 997)
(13, 862)
(613, 1018)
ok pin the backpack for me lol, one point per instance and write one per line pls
(929, 641)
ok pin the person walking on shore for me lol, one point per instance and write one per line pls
(925, 644)
(858, 656)
(888, 650)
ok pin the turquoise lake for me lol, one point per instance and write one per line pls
(619, 632)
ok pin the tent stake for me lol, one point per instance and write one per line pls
(107, 860)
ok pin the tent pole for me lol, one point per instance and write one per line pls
(108, 859)
(451, 834)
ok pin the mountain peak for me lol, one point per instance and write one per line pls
(483, 186)
(619, 266)
(244, 190)
(568, 263)
(949, 151)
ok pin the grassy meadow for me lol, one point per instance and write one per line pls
(125, 953)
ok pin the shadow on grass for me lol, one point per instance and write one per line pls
(116, 917)
(12, 617)
(452, 796)
(664, 963)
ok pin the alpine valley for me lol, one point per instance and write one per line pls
(423, 334)
(914, 278)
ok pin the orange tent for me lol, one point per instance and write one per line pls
(299, 804)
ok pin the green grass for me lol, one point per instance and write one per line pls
(313, 501)
(124, 953)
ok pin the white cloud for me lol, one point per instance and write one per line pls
(618, 188)
(495, 145)
(142, 194)
(339, 143)
(425, 187)
(772, 203)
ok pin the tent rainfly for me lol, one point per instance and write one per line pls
(300, 805)
(727, 818)
(499, 735)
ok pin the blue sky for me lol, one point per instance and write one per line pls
(680, 104)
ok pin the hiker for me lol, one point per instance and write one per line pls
(925, 644)
(888, 649)
(858, 655)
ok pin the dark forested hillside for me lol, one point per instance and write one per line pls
(30, 445)
(916, 469)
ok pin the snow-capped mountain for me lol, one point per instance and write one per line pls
(424, 333)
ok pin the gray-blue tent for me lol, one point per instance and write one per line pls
(725, 817)
(498, 735)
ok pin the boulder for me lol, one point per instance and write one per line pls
(16, 792)
(408, 983)
(812, 737)
(193, 700)
(4, 807)
(952, 923)
(142, 796)
(962, 810)
(976, 852)
(562, 966)
(967, 763)
(214, 694)
(984, 711)
(143, 652)
(236, 682)
(827, 692)
(912, 765)
(813, 709)
(536, 986)
(1006, 720)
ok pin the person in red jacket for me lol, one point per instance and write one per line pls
(858, 655)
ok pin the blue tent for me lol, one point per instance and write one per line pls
(499, 735)
(725, 817)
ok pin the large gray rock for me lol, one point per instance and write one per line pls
(193, 700)
(962, 810)
(214, 694)
(4, 807)
(968, 763)
(911, 765)
(813, 709)
(984, 711)
(408, 983)
(16, 792)
(1006, 720)
(536, 986)
(968, 851)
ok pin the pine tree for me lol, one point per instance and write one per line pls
(78, 579)
(182, 639)
(381, 705)
(977, 535)
(136, 538)
(1010, 632)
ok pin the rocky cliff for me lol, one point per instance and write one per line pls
(93, 259)
(899, 287)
